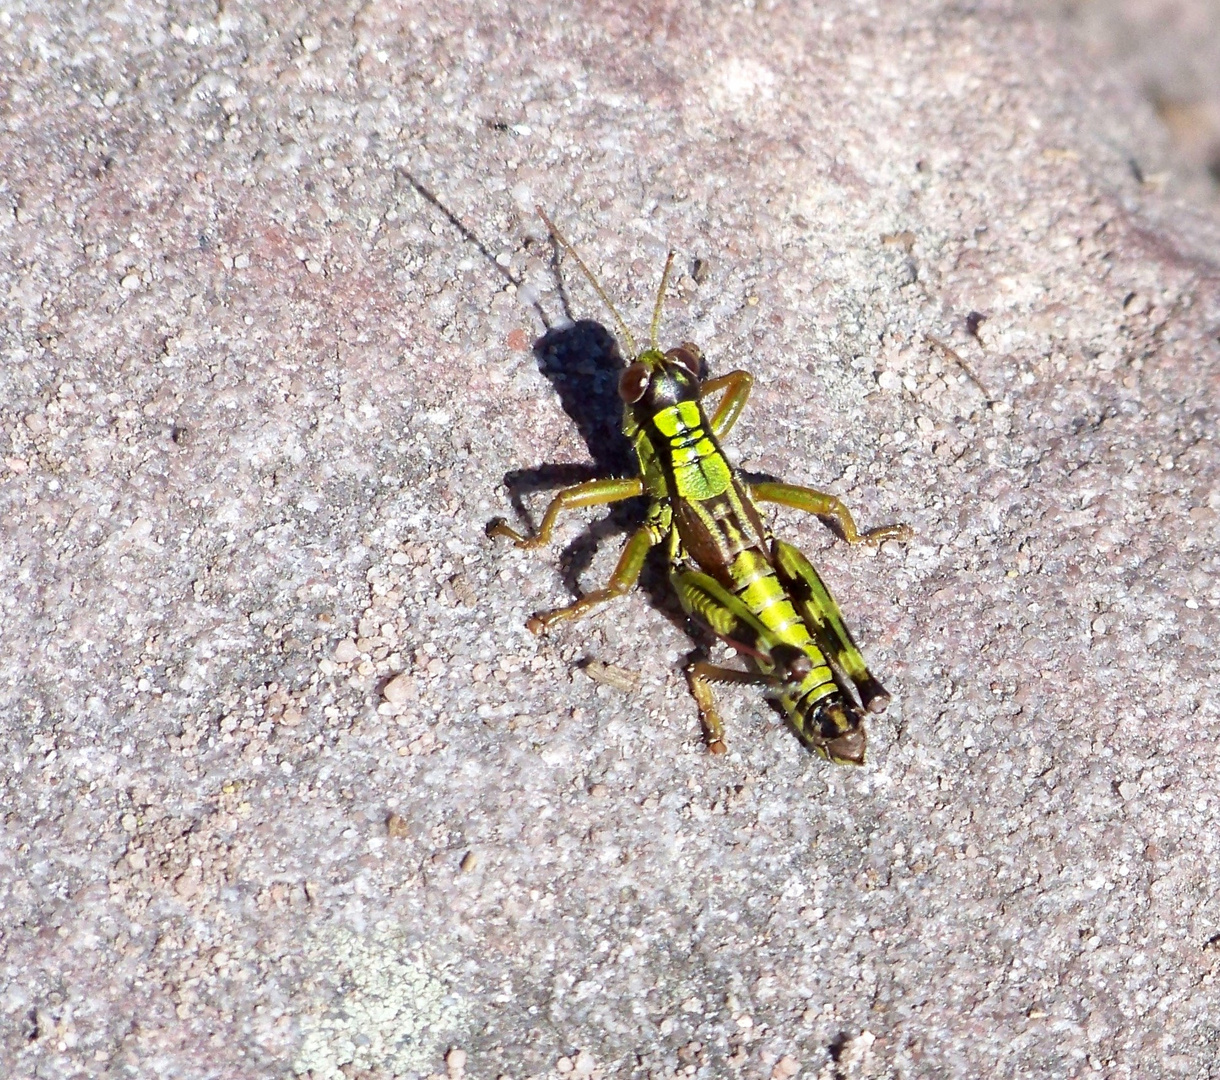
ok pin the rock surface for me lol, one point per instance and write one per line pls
(288, 787)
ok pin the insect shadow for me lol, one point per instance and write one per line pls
(583, 362)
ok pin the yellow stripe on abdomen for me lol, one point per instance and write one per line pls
(760, 590)
(820, 682)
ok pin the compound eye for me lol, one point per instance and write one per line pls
(688, 356)
(632, 383)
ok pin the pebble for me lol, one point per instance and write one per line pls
(786, 1067)
(399, 689)
(346, 651)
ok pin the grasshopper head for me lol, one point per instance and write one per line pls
(655, 379)
(659, 379)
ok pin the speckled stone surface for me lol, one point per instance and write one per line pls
(287, 786)
(1169, 52)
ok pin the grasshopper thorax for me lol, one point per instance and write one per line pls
(657, 380)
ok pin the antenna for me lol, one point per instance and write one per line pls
(656, 311)
(562, 241)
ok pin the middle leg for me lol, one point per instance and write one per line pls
(626, 574)
(827, 506)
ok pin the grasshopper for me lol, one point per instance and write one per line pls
(756, 592)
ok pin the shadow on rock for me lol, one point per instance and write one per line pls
(583, 363)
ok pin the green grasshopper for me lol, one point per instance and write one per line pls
(751, 589)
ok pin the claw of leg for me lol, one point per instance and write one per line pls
(888, 532)
(499, 527)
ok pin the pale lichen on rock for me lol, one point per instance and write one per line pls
(393, 1013)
